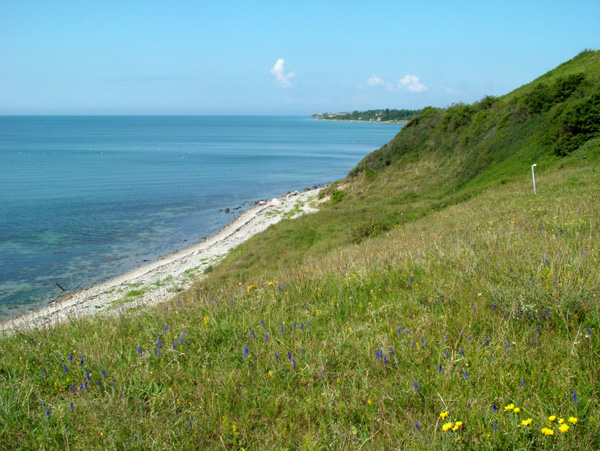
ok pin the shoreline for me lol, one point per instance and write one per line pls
(162, 279)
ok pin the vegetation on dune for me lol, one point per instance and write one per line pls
(435, 302)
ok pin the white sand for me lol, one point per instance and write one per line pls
(161, 280)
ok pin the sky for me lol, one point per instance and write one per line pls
(278, 57)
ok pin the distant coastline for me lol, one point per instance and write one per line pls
(384, 115)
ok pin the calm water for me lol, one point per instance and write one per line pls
(83, 199)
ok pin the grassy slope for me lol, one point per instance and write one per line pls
(465, 292)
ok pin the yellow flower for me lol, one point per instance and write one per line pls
(509, 407)
(547, 431)
(457, 426)
(206, 320)
(552, 417)
(270, 373)
(561, 421)
(444, 414)
(572, 420)
(517, 409)
(563, 428)
(526, 422)
(447, 426)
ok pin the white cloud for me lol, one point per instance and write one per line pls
(283, 78)
(411, 83)
(374, 80)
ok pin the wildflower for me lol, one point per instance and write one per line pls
(494, 408)
(103, 373)
(276, 357)
(495, 427)
(159, 343)
(270, 373)
(573, 420)
(517, 410)
(444, 414)
(417, 426)
(522, 382)
(552, 418)
(65, 369)
(465, 375)
(71, 357)
(447, 426)
(206, 320)
(440, 369)
(561, 421)
(589, 332)
(289, 354)
(509, 407)
(266, 337)
(575, 397)
(281, 329)
(457, 426)
(166, 329)
(526, 422)
(547, 431)
(246, 352)
(416, 385)
(563, 428)
(294, 363)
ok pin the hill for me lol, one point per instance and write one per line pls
(435, 302)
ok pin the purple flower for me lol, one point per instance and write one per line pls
(71, 357)
(410, 279)
(71, 405)
(276, 357)
(266, 337)
(302, 326)
(465, 375)
(159, 343)
(494, 306)
(139, 350)
(589, 331)
(81, 361)
(474, 309)
(158, 351)
(575, 397)
(522, 382)
(447, 352)
(440, 369)
(289, 354)
(87, 376)
(281, 329)
(294, 363)
(246, 352)
(43, 371)
(416, 385)
(391, 351)
(252, 333)
(461, 351)
(417, 426)
(294, 324)
(494, 408)
(548, 313)
(65, 369)
(262, 321)
(385, 359)
(166, 329)
(495, 427)
(47, 413)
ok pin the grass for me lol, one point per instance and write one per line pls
(470, 309)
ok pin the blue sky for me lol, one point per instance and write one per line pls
(278, 57)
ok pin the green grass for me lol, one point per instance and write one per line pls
(425, 287)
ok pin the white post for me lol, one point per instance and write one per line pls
(533, 176)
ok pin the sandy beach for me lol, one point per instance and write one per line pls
(161, 280)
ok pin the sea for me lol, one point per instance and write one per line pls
(86, 198)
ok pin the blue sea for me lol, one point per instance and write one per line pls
(86, 198)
